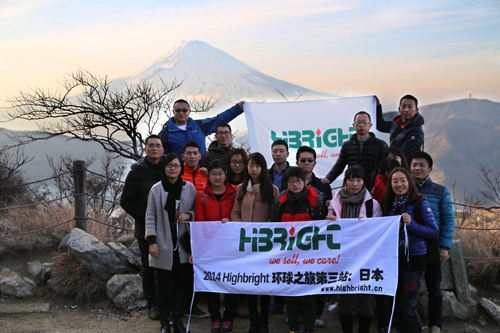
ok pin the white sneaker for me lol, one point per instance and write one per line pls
(434, 329)
(319, 322)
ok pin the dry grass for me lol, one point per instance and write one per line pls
(481, 244)
(16, 221)
(73, 280)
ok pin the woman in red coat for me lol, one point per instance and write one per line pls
(215, 203)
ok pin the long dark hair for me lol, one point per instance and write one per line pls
(230, 174)
(266, 186)
(397, 151)
(389, 195)
(386, 165)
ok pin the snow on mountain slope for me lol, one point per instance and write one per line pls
(207, 70)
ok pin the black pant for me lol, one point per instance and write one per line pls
(171, 289)
(147, 274)
(265, 301)
(230, 303)
(433, 284)
(293, 305)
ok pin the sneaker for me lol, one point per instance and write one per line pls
(215, 327)
(227, 326)
(276, 308)
(154, 314)
(319, 322)
(196, 312)
(171, 318)
(434, 329)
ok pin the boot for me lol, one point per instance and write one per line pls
(165, 328)
(264, 323)
(346, 323)
(254, 322)
(179, 327)
(364, 324)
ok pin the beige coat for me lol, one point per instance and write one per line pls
(157, 224)
(251, 208)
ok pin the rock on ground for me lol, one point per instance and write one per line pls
(46, 271)
(491, 309)
(12, 284)
(34, 268)
(472, 329)
(452, 307)
(125, 290)
(134, 255)
(94, 255)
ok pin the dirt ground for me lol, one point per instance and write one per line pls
(66, 315)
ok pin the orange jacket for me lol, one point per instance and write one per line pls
(195, 177)
(208, 208)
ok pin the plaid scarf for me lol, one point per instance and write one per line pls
(399, 208)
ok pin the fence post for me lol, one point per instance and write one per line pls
(80, 187)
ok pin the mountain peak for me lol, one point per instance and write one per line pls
(206, 70)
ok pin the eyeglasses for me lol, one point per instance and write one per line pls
(152, 145)
(308, 160)
(181, 110)
(362, 123)
(239, 162)
(221, 133)
(295, 182)
(173, 166)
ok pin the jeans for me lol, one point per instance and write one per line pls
(407, 318)
(433, 283)
(147, 274)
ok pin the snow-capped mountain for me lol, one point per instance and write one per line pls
(206, 70)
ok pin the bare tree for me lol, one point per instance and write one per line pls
(100, 113)
(491, 179)
(103, 191)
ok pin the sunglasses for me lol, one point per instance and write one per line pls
(308, 160)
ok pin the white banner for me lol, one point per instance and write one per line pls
(322, 124)
(297, 258)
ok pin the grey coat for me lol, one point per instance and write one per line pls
(157, 224)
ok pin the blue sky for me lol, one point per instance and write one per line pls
(436, 50)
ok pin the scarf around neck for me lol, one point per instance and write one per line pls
(351, 204)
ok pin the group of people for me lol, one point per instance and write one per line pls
(180, 181)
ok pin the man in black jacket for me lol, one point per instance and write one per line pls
(363, 148)
(143, 175)
(406, 129)
(279, 152)
(306, 160)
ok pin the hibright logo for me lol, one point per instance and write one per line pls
(308, 238)
(333, 137)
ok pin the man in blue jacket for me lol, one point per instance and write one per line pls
(406, 129)
(439, 199)
(181, 128)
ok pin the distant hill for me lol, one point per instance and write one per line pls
(460, 135)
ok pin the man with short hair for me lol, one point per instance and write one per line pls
(306, 160)
(192, 171)
(406, 129)
(279, 152)
(220, 147)
(181, 127)
(134, 200)
(362, 148)
(439, 199)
